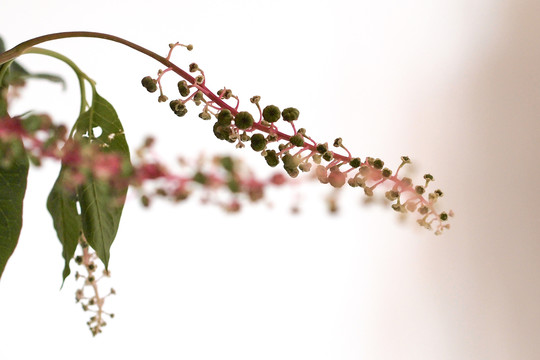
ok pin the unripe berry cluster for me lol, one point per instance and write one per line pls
(297, 152)
(93, 303)
(224, 180)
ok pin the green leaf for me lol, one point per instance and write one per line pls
(101, 204)
(12, 190)
(62, 206)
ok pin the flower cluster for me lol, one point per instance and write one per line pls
(93, 303)
(214, 176)
(297, 151)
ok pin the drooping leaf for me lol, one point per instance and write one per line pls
(101, 203)
(62, 206)
(12, 190)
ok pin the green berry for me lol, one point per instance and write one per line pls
(227, 163)
(222, 132)
(193, 67)
(290, 114)
(386, 172)
(233, 185)
(198, 96)
(322, 148)
(443, 216)
(178, 108)
(328, 156)
(289, 161)
(145, 201)
(419, 189)
(293, 172)
(183, 88)
(258, 142)
(356, 162)
(243, 120)
(378, 164)
(149, 84)
(271, 113)
(297, 140)
(205, 116)
(271, 158)
(200, 178)
(224, 117)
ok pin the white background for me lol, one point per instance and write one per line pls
(453, 84)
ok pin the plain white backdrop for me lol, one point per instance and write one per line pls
(453, 84)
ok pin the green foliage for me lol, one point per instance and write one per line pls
(102, 204)
(62, 206)
(12, 190)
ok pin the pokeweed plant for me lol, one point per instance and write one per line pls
(87, 199)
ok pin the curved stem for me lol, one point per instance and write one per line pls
(22, 47)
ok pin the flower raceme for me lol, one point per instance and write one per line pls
(298, 152)
(87, 199)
